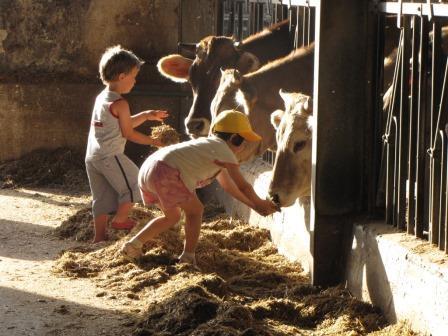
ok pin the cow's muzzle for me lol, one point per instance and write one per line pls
(197, 127)
(275, 199)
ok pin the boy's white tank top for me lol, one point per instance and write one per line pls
(105, 138)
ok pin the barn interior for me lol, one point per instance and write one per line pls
(373, 228)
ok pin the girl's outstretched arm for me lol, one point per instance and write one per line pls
(245, 190)
(229, 186)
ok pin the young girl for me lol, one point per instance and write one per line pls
(170, 176)
(112, 175)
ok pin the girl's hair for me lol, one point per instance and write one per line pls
(115, 61)
(237, 140)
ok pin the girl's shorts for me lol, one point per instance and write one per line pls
(164, 186)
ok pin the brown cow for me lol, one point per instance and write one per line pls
(258, 93)
(291, 175)
(218, 52)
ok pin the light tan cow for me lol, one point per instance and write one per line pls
(291, 175)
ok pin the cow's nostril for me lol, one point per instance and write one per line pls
(195, 125)
(275, 199)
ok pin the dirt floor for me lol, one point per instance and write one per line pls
(54, 282)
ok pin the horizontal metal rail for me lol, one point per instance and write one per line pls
(305, 3)
(406, 8)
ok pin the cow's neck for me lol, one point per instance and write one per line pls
(293, 73)
(269, 44)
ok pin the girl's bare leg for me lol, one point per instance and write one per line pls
(193, 209)
(158, 225)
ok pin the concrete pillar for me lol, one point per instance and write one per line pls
(340, 93)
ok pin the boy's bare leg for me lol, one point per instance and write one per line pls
(100, 224)
(193, 219)
(123, 212)
(158, 225)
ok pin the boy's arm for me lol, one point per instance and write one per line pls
(121, 110)
(140, 118)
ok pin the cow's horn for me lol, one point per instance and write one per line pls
(187, 49)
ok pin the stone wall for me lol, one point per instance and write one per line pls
(49, 53)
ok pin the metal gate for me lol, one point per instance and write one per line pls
(241, 18)
(411, 118)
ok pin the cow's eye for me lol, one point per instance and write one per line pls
(299, 145)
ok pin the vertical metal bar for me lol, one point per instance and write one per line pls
(232, 18)
(260, 17)
(377, 191)
(421, 154)
(388, 192)
(395, 83)
(252, 18)
(396, 180)
(446, 199)
(442, 171)
(303, 26)
(308, 29)
(410, 217)
(431, 225)
(403, 138)
(399, 19)
(296, 30)
(290, 16)
(391, 183)
(240, 21)
(436, 228)
(436, 95)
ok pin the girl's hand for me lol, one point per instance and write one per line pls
(157, 115)
(266, 207)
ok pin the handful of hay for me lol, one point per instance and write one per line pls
(166, 134)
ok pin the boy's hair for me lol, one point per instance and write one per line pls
(237, 140)
(115, 61)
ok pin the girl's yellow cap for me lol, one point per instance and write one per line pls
(231, 121)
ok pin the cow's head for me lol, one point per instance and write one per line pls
(291, 176)
(203, 73)
(224, 99)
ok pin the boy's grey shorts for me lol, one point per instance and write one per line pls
(113, 181)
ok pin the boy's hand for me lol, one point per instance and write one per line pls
(266, 207)
(157, 115)
(157, 142)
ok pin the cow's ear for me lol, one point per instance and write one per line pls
(175, 67)
(247, 62)
(276, 117)
(237, 77)
(286, 96)
(308, 105)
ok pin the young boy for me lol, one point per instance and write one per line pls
(169, 178)
(112, 175)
